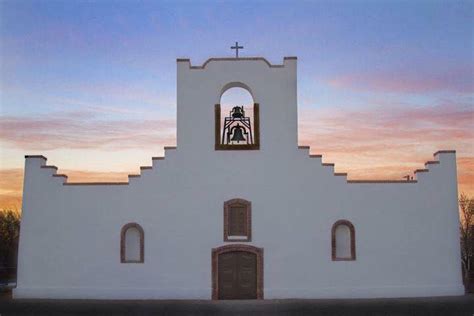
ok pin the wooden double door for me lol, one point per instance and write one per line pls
(237, 275)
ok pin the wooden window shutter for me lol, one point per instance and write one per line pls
(237, 220)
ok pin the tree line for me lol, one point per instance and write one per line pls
(466, 207)
(9, 235)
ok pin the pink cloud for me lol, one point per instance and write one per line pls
(371, 143)
(409, 81)
(11, 186)
(466, 175)
(84, 130)
(96, 176)
(387, 142)
(11, 183)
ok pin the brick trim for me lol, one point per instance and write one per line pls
(122, 243)
(95, 183)
(35, 156)
(230, 248)
(217, 126)
(328, 164)
(333, 240)
(444, 152)
(421, 170)
(381, 181)
(49, 167)
(256, 131)
(248, 206)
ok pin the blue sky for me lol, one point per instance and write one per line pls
(105, 67)
(62, 49)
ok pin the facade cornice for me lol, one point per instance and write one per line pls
(213, 59)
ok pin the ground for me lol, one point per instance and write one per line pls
(458, 306)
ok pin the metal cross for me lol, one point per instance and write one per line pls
(236, 47)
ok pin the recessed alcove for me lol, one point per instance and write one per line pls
(237, 119)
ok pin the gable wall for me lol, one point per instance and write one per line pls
(407, 238)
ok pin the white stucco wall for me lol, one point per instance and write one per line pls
(407, 236)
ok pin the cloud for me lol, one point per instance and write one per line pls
(389, 142)
(372, 128)
(466, 175)
(11, 180)
(84, 129)
(385, 142)
(11, 183)
(455, 80)
(11, 187)
(96, 176)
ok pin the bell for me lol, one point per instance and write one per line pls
(237, 134)
(237, 112)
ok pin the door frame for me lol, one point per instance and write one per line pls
(231, 248)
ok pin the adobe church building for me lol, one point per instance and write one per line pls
(239, 211)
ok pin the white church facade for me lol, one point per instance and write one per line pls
(239, 211)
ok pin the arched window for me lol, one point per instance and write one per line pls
(237, 220)
(132, 245)
(343, 241)
(237, 119)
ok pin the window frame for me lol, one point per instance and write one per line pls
(123, 233)
(352, 241)
(248, 221)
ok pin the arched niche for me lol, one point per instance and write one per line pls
(343, 241)
(132, 244)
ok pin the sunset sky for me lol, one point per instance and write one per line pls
(91, 85)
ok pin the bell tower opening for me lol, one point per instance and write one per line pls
(237, 119)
